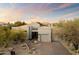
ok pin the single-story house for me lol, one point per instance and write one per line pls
(36, 32)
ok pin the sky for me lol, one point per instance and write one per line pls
(11, 12)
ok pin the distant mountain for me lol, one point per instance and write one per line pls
(34, 19)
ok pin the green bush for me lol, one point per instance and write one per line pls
(18, 36)
(4, 35)
(70, 32)
(8, 36)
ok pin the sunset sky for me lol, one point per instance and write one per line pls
(10, 12)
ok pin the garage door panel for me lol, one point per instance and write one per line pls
(45, 38)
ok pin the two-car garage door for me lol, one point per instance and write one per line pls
(44, 34)
(45, 38)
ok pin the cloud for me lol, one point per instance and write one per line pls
(70, 14)
(37, 9)
(65, 5)
(45, 8)
(20, 11)
(10, 15)
(60, 6)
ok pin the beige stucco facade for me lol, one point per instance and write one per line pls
(44, 32)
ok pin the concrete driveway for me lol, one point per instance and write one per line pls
(54, 48)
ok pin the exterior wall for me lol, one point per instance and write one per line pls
(44, 34)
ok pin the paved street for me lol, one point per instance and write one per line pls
(54, 48)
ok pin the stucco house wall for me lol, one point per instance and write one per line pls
(44, 34)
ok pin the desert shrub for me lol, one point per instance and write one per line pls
(18, 35)
(19, 23)
(8, 36)
(4, 35)
(70, 32)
